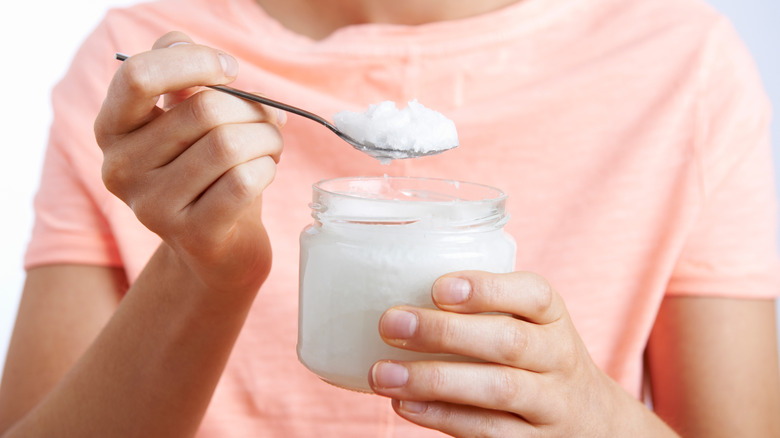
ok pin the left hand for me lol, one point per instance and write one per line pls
(537, 378)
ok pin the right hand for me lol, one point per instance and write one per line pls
(192, 171)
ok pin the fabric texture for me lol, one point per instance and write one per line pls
(631, 138)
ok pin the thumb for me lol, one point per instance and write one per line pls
(175, 39)
(169, 40)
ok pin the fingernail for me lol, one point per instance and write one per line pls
(412, 407)
(398, 324)
(450, 290)
(229, 64)
(389, 375)
(178, 43)
(281, 117)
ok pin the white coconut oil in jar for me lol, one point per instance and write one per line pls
(379, 242)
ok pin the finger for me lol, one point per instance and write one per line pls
(525, 295)
(233, 194)
(171, 188)
(173, 39)
(141, 79)
(483, 385)
(183, 125)
(220, 150)
(492, 338)
(170, 134)
(463, 421)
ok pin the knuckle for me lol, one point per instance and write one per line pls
(507, 389)
(223, 146)
(489, 427)
(437, 381)
(494, 289)
(449, 332)
(204, 109)
(116, 174)
(513, 344)
(542, 293)
(135, 77)
(241, 183)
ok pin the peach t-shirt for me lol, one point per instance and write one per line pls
(630, 136)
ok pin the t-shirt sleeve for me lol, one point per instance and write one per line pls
(732, 248)
(70, 224)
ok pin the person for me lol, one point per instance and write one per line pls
(631, 138)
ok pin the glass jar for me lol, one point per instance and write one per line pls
(378, 242)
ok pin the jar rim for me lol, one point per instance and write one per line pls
(331, 186)
(431, 203)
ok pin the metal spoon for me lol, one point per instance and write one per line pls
(370, 149)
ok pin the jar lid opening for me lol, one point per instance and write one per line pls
(424, 202)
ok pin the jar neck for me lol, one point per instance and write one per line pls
(412, 203)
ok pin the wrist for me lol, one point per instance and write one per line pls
(193, 284)
(637, 419)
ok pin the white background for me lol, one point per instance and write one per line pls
(37, 38)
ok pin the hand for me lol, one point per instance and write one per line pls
(193, 171)
(537, 378)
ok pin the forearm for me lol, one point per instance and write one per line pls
(153, 368)
(713, 365)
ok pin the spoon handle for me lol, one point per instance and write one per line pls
(259, 99)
